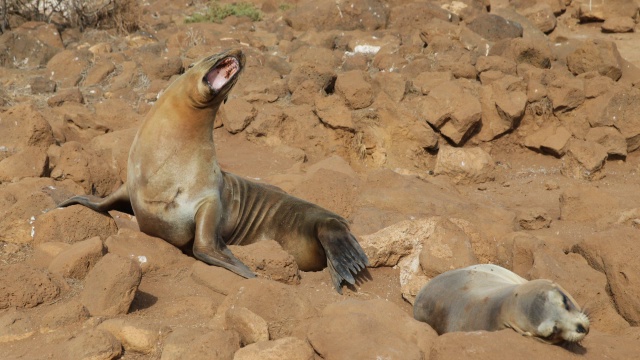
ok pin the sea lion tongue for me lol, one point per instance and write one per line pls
(222, 72)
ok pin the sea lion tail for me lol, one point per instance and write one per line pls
(345, 257)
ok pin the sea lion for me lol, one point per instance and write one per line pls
(178, 192)
(489, 297)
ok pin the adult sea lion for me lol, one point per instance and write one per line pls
(179, 193)
(489, 297)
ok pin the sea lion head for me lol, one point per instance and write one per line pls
(213, 77)
(552, 312)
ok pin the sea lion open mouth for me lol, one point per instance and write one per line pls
(222, 73)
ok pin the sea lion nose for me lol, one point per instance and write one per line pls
(581, 330)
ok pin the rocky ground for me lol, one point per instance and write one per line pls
(448, 133)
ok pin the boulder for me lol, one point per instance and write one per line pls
(288, 348)
(596, 55)
(453, 108)
(584, 160)
(111, 286)
(465, 165)
(78, 259)
(22, 286)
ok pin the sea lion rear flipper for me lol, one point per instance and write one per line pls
(209, 247)
(110, 202)
(345, 256)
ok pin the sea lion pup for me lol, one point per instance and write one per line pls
(489, 297)
(179, 193)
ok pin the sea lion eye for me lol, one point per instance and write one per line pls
(190, 65)
(565, 301)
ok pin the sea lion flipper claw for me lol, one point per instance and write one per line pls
(345, 257)
(208, 245)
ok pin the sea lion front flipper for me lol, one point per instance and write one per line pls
(102, 205)
(208, 245)
(345, 256)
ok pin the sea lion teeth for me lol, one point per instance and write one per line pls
(227, 67)
(179, 193)
(489, 297)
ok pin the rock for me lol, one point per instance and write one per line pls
(413, 15)
(333, 113)
(427, 81)
(20, 205)
(239, 114)
(614, 252)
(584, 160)
(26, 47)
(483, 345)
(268, 122)
(87, 168)
(465, 166)
(22, 286)
(359, 14)
(516, 251)
(24, 126)
(392, 84)
(66, 95)
(355, 87)
(495, 28)
(533, 219)
(41, 85)
(452, 108)
(114, 147)
(193, 344)
(551, 139)
(587, 204)
(601, 10)
(387, 246)
(268, 259)
(76, 261)
(448, 248)
(370, 329)
(111, 285)
(288, 348)
(63, 314)
(215, 278)
(621, 112)
(524, 51)
(80, 223)
(610, 138)
(320, 76)
(30, 162)
(596, 55)
(160, 67)
(98, 72)
(15, 325)
(135, 335)
(444, 54)
(503, 103)
(67, 67)
(92, 344)
(542, 16)
(618, 24)
(287, 306)
(44, 253)
(496, 63)
(251, 327)
(566, 94)
(150, 252)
